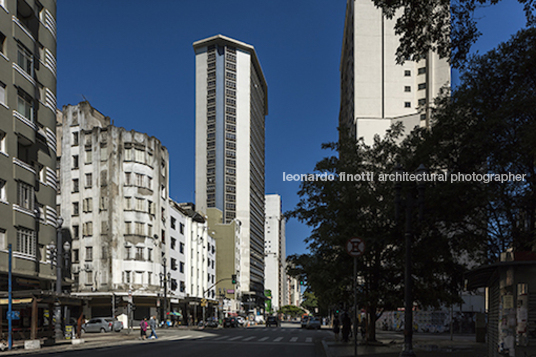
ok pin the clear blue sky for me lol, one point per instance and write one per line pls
(133, 61)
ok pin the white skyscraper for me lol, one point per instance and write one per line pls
(274, 246)
(375, 91)
(231, 103)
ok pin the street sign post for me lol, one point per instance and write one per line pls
(355, 247)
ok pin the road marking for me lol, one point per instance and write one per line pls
(249, 338)
(309, 339)
(221, 338)
(278, 339)
(263, 339)
(293, 339)
(235, 338)
(183, 337)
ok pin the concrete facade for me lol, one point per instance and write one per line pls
(275, 253)
(375, 91)
(231, 104)
(27, 141)
(113, 198)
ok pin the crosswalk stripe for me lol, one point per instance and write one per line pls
(235, 338)
(183, 337)
(221, 338)
(249, 338)
(309, 339)
(293, 339)
(278, 339)
(263, 339)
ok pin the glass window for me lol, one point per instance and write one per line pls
(89, 180)
(26, 242)
(25, 196)
(3, 93)
(76, 187)
(25, 105)
(25, 60)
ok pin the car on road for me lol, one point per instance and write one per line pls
(102, 324)
(230, 322)
(272, 321)
(241, 320)
(304, 320)
(313, 323)
(211, 323)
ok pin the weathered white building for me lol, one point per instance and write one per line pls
(275, 253)
(114, 201)
(375, 91)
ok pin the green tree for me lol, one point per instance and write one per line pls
(310, 302)
(291, 310)
(449, 27)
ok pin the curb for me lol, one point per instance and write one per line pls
(326, 349)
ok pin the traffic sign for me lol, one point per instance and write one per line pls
(15, 315)
(355, 247)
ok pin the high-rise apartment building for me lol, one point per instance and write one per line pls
(28, 217)
(375, 91)
(113, 199)
(275, 252)
(231, 105)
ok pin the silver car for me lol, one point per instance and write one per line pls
(313, 323)
(102, 324)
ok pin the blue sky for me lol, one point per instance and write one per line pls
(133, 61)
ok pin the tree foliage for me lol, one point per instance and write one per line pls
(291, 310)
(446, 26)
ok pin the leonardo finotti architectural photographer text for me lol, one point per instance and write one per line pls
(406, 176)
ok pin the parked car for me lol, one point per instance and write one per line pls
(304, 320)
(313, 323)
(272, 320)
(211, 323)
(230, 322)
(241, 320)
(102, 324)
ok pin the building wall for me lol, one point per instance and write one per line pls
(176, 250)
(27, 138)
(274, 270)
(117, 214)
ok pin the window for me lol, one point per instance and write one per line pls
(3, 93)
(422, 101)
(103, 178)
(127, 277)
(128, 227)
(75, 161)
(149, 230)
(89, 277)
(3, 196)
(87, 229)
(88, 204)
(76, 232)
(163, 236)
(173, 243)
(76, 187)
(181, 247)
(407, 73)
(182, 286)
(76, 209)
(89, 254)
(128, 203)
(25, 60)
(407, 104)
(3, 140)
(422, 86)
(139, 180)
(139, 253)
(407, 88)
(25, 105)
(128, 253)
(422, 70)
(149, 256)
(139, 155)
(25, 195)
(128, 154)
(26, 242)
(139, 204)
(181, 228)
(75, 138)
(103, 203)
(150, 207)
(89, 156)
(173, 222)
(128, 176)
(104, 153)
(2, 36)
(89, 180)
(76, 256)
(149, 182)
(139, 228)
(181, 267)
(173, 264)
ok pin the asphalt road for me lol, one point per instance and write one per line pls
(289, 340)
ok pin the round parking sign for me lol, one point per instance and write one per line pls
(355, 247)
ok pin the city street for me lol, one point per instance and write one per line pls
(288, 340)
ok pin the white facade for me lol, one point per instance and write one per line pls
(113, 199)
(176, 251)
(231, 103)
(275, 254)
(375, 91)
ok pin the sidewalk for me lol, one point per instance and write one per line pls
(423, 345)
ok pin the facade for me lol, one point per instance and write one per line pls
(231, 105)
(375, 91)
(275, 253)
(227, 236)
(293, 295)
(113, 198)
(27, 143)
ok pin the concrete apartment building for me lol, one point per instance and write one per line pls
(231, 105)
(113, 199)
(375, 91)
(275, 252)
(28, 216)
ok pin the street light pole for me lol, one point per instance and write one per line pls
(59, 264)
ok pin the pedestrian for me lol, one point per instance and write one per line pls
(143, 329)
(346, 327)
(336, 327)
(152, 325)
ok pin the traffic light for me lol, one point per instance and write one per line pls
(233, 278)
(302, 282)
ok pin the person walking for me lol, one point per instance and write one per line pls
(143, 329)
(346, 327)
(336, 327)
(152, 325)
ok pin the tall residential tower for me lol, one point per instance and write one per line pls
(231, 105)
(375, 91)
